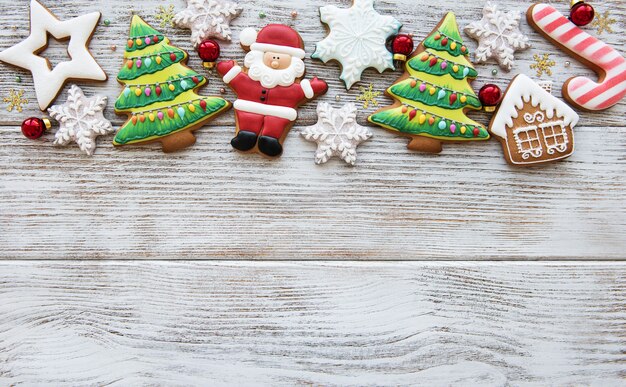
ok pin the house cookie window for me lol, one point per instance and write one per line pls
(532, 139)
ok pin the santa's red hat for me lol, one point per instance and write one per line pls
(274, 38)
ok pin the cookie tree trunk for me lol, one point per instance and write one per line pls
(159, 93)
(434, 93)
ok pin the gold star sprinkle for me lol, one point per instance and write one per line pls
(368, 96)
(543, 64)
(603, 23)
(15, 100)
(165, 16)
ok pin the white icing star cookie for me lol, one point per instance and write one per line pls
(49, 82)
(336, 133)
(208, 19)
(81, 120)
(498, 36)
(357, 39)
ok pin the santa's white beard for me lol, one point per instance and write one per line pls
(269, 78)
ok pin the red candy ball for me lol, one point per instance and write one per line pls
(402, 46)
(209, 51)
(490, 95)
(581, 13)
(33, 128)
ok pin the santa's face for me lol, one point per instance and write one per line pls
(276, 60)
(273, 69)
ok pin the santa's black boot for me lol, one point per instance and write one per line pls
(244, 141)
(270, 146)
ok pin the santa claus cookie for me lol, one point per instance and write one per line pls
(269, 87)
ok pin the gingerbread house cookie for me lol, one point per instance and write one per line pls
(533, 126)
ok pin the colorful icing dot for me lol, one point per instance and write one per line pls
(192, 108)
(148, 62)
(173, 57)
(465, 72)
(453, 98)
(148, 41)
(160, 115)
(422, 119)
(433, 90)
(444, 65)
(203, 104)
(463, 99)
(413, 83)
(158, 59)
(463, 129)
(412, 115)
(404, 109)
(453, 47)
(130, 64)
(138, 42)
(170, 113)
(183, 84)
(195, 80)
(155, 39)
(130, 44)
(181, 112)
(463, 49)
(142, 118)
(138, 91)
(452, 128)
(444, 41)
(476, 132)
(455, 68)
(433, 61)
(148, 91)
(126, 92)
(442, 125)
(431, 121)
(171, 87)
(423, 87)
(138, 63)
(151, 117)
(425, 57)
(134, 120)
(438, 36)
(158, 90)
(442, 94)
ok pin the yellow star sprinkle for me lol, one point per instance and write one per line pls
(603, 23)
(165, 16)
(543, 64)
(15, 100)
(368, 96)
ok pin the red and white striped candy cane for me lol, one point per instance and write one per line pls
(604, 59)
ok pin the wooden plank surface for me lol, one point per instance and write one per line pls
(210, 201)
(263, 323)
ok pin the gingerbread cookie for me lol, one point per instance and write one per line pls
(357, 39)
(82, 66)
(533, 126)
(434, 93)
(159, 93)
(269, 87)
(336, 133)
(609, 64)
(208, 19)
(498, 36)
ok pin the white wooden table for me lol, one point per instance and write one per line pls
(139, 268)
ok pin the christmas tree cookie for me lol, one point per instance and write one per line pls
(159, 93)
(434, 93)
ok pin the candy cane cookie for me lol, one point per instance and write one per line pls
(609, 64)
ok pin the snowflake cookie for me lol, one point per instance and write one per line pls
(357, 39)
(208, 19)
(336, 133)
(81, 120)
(498, 36)
(49, 82)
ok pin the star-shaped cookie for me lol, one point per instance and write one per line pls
(336, 133)
(208, 19)
(49, 82)
(357, 39)
(81, 120)
(498, 36)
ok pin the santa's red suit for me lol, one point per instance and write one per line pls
(270, 110)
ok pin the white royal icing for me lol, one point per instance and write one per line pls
(82, 65)
(524, 90)
(208, 19)
(336, 133)
(498, 36)
(357, 39)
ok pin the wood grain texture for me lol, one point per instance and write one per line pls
(164, 323)
(210, 201)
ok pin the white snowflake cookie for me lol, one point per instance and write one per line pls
(49, 81)
(81, 120)
(357, 39)
(498, 36)
(208, 19)
(336, 133)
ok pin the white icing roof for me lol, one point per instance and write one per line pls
(523, 90)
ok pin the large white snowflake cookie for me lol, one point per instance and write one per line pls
(357, 39)
(81, 120)
(49, 81)
(336, 133)
(208, 19)
(498, 35)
